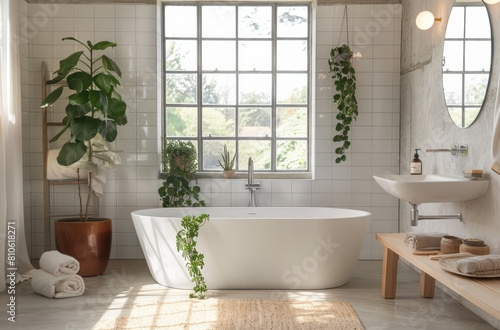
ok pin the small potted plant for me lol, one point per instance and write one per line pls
(179, 169)
(93, 111)
(227, 163)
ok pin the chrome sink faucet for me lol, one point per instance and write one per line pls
(455, 150)
(251, 185)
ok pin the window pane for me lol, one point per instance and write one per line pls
(212, 150)
(219, 88)
(292, 55)
(182, 122)
(255, 122)
(259, 150)
(292, 22)
(218, 21)
(219, 56)
(291, 88)
(255, 88)
(478, 23)
(180, 88)
(478, 55)
(453, 55)
(254, 22)
(180, 55)
(456, 115)
(218, 122)
(291, 155)
(455, 28)
(470, 114)
(452, 85)
(254, 55)
(475, 88)
(180, 21)
(291, 122)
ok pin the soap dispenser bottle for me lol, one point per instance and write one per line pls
(416, 164)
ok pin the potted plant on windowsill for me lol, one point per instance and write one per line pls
(227, 163)
(179, 169)
(93, 111)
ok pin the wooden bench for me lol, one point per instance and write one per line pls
(483, 293)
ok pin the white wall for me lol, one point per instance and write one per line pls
(426, 124)
(375, 30)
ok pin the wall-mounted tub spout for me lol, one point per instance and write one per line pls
(414, 216)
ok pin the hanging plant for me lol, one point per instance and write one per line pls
(344, 79)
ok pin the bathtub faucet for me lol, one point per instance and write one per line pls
(251, 186)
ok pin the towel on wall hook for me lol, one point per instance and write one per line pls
(495, 143)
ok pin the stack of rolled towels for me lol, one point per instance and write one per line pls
(57, 276)
(424, 241)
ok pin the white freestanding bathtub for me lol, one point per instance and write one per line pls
(258, 247)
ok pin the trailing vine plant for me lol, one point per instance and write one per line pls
(186, 244)
(344, 78)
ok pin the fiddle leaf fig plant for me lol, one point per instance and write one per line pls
(186, 244)
(93, 111)
(344, 79)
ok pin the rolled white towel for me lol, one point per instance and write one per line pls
(51, 286)
(56, 263)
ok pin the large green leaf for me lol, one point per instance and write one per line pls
(99, 100)
(71, 153)
(76, 111)
(56, 79)
(104, 82)
(110, 65)
(116, 111)
(52, 97)
(84, 128)
(76, 40)
(69, 63)
(79, 98)
(58, 135)
(113, 81)
(107, 129)
(101, 45)
(79, 81)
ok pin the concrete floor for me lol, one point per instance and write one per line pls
(127, 281)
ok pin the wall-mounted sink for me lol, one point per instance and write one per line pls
(432, 188)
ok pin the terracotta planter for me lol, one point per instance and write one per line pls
(88, 242)
(229, 174)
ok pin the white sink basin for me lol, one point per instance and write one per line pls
(432, 188)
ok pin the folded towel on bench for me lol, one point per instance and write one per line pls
(480, 265)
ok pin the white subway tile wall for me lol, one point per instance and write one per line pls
(374, 30)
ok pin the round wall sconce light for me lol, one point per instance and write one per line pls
(426, 19)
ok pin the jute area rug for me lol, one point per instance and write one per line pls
(235, 314)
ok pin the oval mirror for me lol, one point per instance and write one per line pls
(466, 61)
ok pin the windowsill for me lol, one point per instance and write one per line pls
(257, 175)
